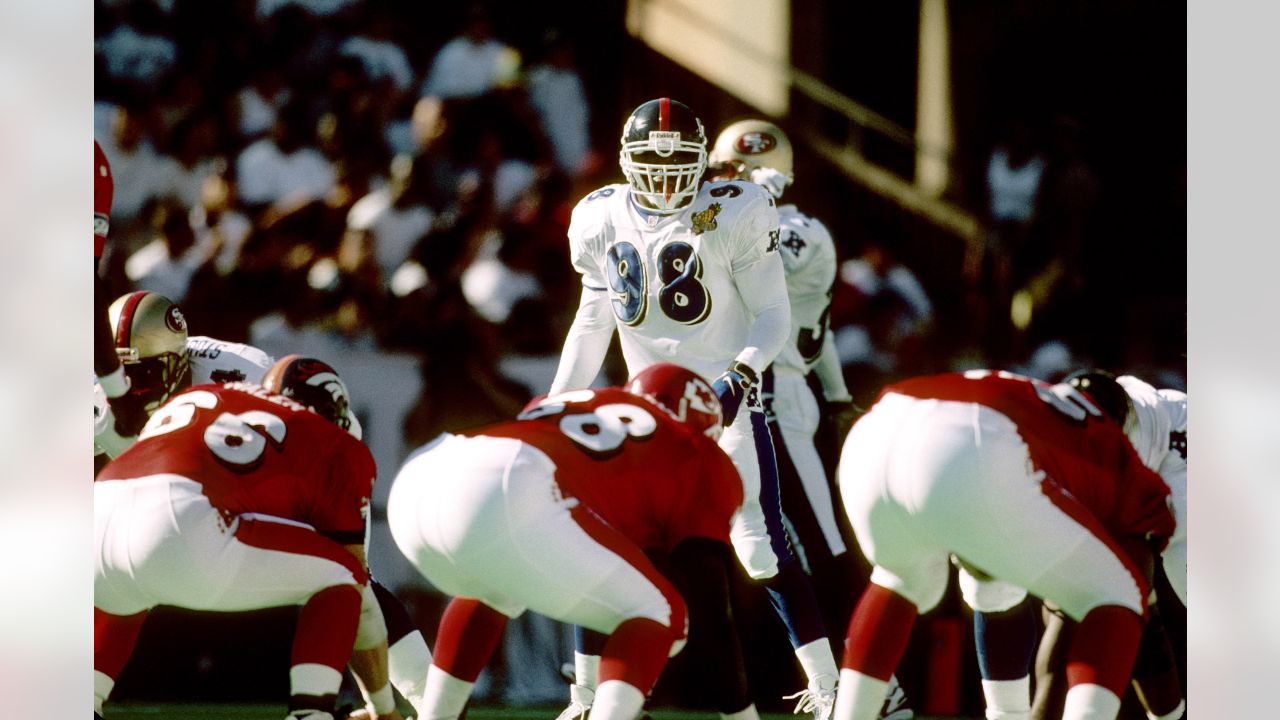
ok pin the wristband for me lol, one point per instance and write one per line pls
(382, 701)
(749, 377)
(115, 383)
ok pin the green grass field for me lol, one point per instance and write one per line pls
(211, 711)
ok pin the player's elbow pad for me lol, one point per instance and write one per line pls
(372, 630)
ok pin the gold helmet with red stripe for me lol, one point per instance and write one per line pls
(750, 145)
(151, 342)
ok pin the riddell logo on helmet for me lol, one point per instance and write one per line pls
(754, 143)
(174, 319)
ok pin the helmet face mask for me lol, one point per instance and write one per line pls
(664, 153)
(683, 395)
(151, 342)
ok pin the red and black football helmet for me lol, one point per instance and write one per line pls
(683, 394)
(1102, 388)
(664, 153)
(316, 384)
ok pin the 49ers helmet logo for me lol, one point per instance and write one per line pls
(174, 319)
(755, 143)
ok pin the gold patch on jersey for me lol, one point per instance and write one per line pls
(706, 220)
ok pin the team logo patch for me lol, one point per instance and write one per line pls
(174, 319)
(706, 219)
(100, 224)
(755, 143)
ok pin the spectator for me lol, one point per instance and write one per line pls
(395, 217)
(1014, 173)
(167, 264)
(285, 165)
(136, 53)
(557, 95)
(257, 104)
(472, 63)
(141, 173)
(881, 316)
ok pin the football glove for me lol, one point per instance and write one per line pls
(130, 413)
(731, 387)
(840, 414)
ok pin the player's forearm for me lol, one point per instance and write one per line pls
(586, 344)
(763, 288)
(829, 371)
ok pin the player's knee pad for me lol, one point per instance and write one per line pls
(757, 558)
(991, 595)
(924, 587)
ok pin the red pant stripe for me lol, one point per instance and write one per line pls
(1082, 515)
(619, 545)
(299, 541)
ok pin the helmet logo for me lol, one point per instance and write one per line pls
(755, 143)
(330, 383)
(698, 396)
(174, 319)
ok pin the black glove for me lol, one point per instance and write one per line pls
(840, 414)
(130, 412)
(731, 387)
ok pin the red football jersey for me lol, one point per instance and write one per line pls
(647, 475)
(1080, 450)
(103, 189)
(257, 452)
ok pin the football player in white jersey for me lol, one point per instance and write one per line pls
(759, 151)
(1005, 628)
(689, 273)
(159, 359)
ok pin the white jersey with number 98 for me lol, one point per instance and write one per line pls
(670, 279)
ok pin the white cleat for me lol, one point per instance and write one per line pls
(580, 699)
(819, 698)
(895, 703)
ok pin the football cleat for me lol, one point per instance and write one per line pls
(819, 698)
(580, 699)
(895, 705)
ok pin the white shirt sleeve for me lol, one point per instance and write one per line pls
(586, 344)
(763, 287)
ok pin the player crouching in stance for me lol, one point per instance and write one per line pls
(236, 497)
(554, 511)
(1022, 481)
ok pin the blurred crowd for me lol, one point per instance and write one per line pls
(362, 173)
(288, 169)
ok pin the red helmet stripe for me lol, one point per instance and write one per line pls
(664, 114)
(125, 327)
